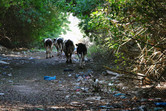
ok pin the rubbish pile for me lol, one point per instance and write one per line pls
(101, 93)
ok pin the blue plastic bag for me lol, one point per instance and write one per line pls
(49, 78)
(160, 103)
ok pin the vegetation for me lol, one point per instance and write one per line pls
(135, 30)
(23, 22)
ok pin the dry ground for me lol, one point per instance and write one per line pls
(23, 88)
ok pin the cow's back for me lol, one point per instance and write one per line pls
(48, 42)
(60, 41)
(81, 49)
(68, 46)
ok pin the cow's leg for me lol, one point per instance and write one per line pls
(51, 55)
(70, 61)
(47, 52)
(67, 57)
(60, 50)
(57, 51)
(79, 57)
(83, 59)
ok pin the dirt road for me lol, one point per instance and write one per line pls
(23, 88)
(23, 85)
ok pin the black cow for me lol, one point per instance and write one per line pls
(58, 42)
(68, 48)
(81, 52)
(48, 44)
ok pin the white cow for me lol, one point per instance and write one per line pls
(48, 44)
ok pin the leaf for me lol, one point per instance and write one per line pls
(29, 20)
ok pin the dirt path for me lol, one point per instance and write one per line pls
(23, 88)
(23, 84)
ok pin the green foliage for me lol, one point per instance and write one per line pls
(92, 49)
(27, 21)
(134, 28)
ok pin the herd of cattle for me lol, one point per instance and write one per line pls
(66, 46)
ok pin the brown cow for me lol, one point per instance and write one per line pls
(68, 48)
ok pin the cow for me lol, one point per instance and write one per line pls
(68, 48)
(48, 44)
(81, 52)
(58, 43)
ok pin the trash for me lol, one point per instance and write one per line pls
(106, 106)
(67, 96)
(1, 94)
(77, 90)
(112, 73)
(119, 94)
(134, 98)
(77, 104)
(10, 81)
(66, 70)
(93, 98)
(90, 71)
(80, 78)
(85, 89)
(69, 75)
(143, 108)
(60, 82)
(77, 75)
(87, 77)
(31, 58)
(3, 62)
(96, 86)
(160, 103)
(9, 74)
(40, 109)
(123, 97)
(49, 78)
(158, 109)
(143, 99)
(4, 73)
(110, 84)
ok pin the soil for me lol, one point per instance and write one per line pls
(23, 88)
(23, 85)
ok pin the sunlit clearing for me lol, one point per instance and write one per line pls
(75, 33)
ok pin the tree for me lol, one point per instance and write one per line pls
(24, 22)
(134, 29)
